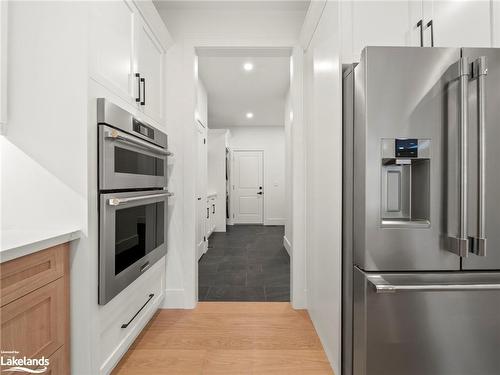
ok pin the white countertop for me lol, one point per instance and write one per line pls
(15, 243)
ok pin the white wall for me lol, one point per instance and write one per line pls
(322, 80)
(270, 139)
(217, 173)
(44, 151)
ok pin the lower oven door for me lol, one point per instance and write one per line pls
(426, 323)
(132, 237)
(128, 162)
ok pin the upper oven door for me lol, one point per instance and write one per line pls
(128, 162)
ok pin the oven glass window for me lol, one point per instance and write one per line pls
(127, 161)
(139, 230)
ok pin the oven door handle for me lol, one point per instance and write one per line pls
(115, 135)
(118, 201)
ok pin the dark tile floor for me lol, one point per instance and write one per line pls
(247, 263)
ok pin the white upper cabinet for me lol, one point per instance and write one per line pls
(111, 46)
(128, 42)
(458, 23)
(150, 56)
(442, 23)
(378, 23)
(496, 24)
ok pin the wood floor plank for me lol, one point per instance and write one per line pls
(228, 338)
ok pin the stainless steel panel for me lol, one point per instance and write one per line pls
(109, 283)
(109, 179)
(492, 157)
(347, 216)
(402, 92)
(419, 331)
(110, 114)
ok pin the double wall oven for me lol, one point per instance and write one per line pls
(132, 198)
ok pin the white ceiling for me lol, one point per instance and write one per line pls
(233, 92)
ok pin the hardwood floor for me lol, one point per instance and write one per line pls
(228, 338)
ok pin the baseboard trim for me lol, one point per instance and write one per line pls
(174, 299)
(287, 245)
(274, 221)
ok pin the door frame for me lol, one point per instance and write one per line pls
(231, 182)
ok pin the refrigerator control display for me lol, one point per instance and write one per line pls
(406, 148)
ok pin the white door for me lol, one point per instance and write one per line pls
(248, 187)
(201, 194)
(150, 67)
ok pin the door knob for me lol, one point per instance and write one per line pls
(260, 193)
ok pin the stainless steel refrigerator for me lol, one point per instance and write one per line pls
(421, 212)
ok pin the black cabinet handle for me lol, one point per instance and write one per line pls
(421, 25)
(137, 313)
(208, 212)
(213, 208)
(138, 76)
(431, 25)
(143, 81)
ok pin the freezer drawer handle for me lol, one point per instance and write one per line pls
(479, 72)
(382, 286)
(115, 135)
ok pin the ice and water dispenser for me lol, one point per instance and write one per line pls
(405, 182)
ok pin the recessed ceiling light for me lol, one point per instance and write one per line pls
(249, 115)
(248, 66)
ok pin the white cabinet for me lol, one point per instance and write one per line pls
(211, 211)
(458, 23)
(111, 46)
(126, 56)
(149, 57)
(378, 23)
(444, 23)
(495, 7)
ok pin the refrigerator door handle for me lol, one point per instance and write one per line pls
(460, 244)
(381, 285)
(479, 71)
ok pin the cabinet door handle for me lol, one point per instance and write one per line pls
(213, 208)
(137, 313)
(138, 76)
(208, 212)
(143, 81)
(421, 25)
(431, 25)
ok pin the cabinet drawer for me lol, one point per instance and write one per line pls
(36, 325)
(23, 275)
(121, 310)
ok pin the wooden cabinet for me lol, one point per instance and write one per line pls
(35, 306)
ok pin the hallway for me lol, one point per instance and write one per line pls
(227, 338)
(246, 263)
